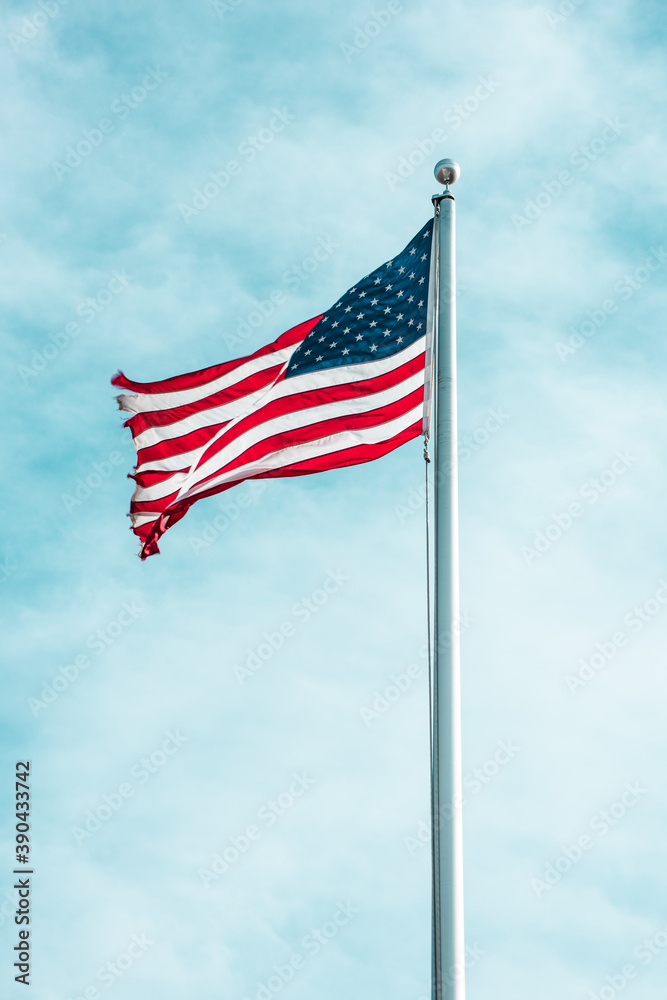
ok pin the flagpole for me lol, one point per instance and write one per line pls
(447, 795)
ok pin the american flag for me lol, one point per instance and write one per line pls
(342, 388)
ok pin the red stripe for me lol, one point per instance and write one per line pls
(179, 445)
(152, 506)
(347, 456)
(153, 477)
(194, 380)
(143, 530)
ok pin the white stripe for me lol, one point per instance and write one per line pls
(146, 402)
(183, 460)
(138, 520)
(285, 422)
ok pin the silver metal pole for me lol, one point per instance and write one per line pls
(448, 940)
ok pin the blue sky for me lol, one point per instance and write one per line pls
(556, 115)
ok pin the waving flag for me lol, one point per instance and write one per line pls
(342, 388)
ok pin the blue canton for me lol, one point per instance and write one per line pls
(383, 314)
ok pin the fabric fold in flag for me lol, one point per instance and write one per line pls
(342, 388)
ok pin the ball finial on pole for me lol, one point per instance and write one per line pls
(447, 172)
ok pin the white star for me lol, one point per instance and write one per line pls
(411, 275)
(374, 302)
(360, 316)
(400, 270)
(358, 337)
(353, 289)
(387, 310)
(320, 340)
(412, 252)
(334, 324)
(398, 297)
(400, 340)
(345, 350)
(362, 295)
(293, 367)
(389, 263)
(411, 322)
(400, 316)
(421, 281)
(386, 333)
(374, 347)
(319, 357)
(423, 257)
(411, 299)
(420, 303)
(334, 343)
(308, 352)
(388, 288)
(346, 330)
(373, 323)
(377, 281)
(419, 326)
